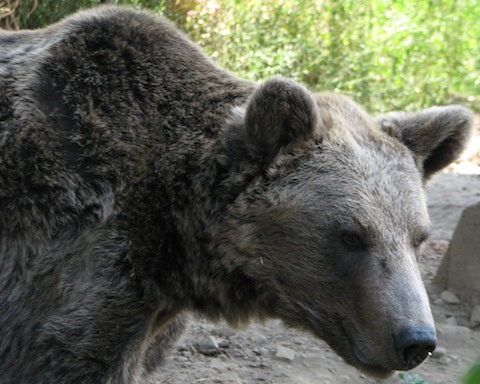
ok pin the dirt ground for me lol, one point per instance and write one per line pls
(270, 353)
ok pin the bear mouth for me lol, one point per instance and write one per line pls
(343, 338)
(357, 358)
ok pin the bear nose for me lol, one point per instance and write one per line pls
(413, 345)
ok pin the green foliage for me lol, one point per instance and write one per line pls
(473, 375)
(32, 14)
(387, 55)
(408, 378)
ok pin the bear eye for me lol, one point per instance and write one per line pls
(419, 240)
(354, 241)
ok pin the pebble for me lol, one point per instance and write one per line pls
(451, 321)
(449, 297)
(182, 348)
(475, 316)
(261, 351)
(224, 332)
(258, 364)
(217, 365)
(439, 352)
(224, 344)
(260, 340)
(284, 353)
(445, 360)
(208, 346)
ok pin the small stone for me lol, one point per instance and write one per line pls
(181, 359)
(475, 316)
(438, 301)
(208, 346)
(216, 365)
(462, 321)
(257, 364)
(284, 353)
(182, 348)
(445, 360)
(224, 344)
(261, 351)
(261, 340)
(224, 332)
(449, 297)
(451, 321)
(439, 352)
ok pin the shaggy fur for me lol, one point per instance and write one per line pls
(138, 181)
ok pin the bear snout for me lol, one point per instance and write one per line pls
(380, 356)
(414, 345)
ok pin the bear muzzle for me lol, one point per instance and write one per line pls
(413, 346)
(407, 349)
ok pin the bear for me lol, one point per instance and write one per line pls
(141, 184)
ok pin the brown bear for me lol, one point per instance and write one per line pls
(139, 182)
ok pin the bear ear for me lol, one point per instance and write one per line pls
(436, 136)
(278, 114)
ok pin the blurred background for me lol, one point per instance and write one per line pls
(386, 54)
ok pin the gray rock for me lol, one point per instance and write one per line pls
(445, 360)
(439, 352)
(217, 365)
(224, 332)
(475, 316)
(449, 297)
(284, 353)
(261, 340)
(261, 351)
(224, 343)
(207, 346)
(460, 266)
(451, 321)
(438, 301)
(258, 364)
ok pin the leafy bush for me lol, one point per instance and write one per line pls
(32, 14)
(389, 54)
(473, 375)
(386, 54)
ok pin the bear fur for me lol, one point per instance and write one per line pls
(139, 182)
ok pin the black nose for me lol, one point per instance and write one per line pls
(414, 345)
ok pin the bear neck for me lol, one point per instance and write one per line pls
(188, 189)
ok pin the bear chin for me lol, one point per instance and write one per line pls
(362, 364)
(353, 355)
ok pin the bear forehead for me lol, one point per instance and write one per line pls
(361, 172)
(369, 197)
